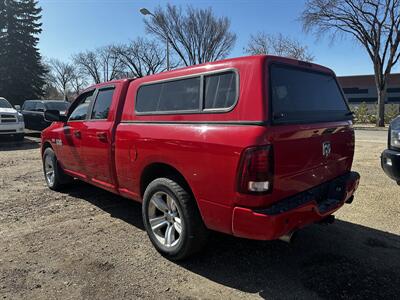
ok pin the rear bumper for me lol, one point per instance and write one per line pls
(294, 212)
(390, 162)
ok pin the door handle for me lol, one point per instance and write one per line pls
(77, 134)
(101, 136)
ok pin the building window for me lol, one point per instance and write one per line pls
(355, 90)
(393, 90)
(364, 99)
(393, 99)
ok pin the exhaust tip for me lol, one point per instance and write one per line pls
(288, 238)
(350, 200)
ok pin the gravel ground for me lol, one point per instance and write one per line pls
(85, 243)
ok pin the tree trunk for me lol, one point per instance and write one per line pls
(65, 95)
(380, 115)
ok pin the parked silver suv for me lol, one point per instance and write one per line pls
(11, 121)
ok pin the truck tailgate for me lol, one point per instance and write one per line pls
(308, 155)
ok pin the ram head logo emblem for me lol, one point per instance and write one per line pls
(326, 149)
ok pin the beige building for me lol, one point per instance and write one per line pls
(361, 88)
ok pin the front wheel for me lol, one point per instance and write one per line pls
(172, 219)
(54, 175)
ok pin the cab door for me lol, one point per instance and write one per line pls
(72, 134)
(38, 116)
(28, 111)
(97, 137)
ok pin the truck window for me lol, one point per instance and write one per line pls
(102, 105)
(39, 106)
(4, 103)
(57, 105)
(80, 111)
(177, 95)
(220, 90)
(29, 105)
(301, 96)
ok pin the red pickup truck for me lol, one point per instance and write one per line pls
(256, 147)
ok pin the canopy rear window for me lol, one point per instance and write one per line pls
(302, 96)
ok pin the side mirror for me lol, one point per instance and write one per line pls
(17, 107)
(54, 116)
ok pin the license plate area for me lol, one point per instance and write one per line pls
(327, 196)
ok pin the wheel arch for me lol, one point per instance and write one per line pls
(158, 170)
(46, 145)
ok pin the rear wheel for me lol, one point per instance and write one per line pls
(54, 175)
(172, 220)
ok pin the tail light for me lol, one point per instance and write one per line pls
(256, 170)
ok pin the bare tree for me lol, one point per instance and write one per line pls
(49, 88)
(79, 81)
(89, 65)
(110, 63)
(373, 23)
(61, 74)
(51, 91)
(281, 45)
(196, 35)
(100, 65)
(141, 57)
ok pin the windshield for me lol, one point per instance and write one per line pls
(301, 96)
(4, 103)
(59, 105)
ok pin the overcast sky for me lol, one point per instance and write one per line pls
(70, 26)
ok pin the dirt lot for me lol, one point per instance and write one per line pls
(89, 244)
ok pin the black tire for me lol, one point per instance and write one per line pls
(194, 234)
(19, 137)
(60, 179)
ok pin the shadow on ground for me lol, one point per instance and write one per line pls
(34, 134)
(339, 261)
(118, 207)
(8, 143)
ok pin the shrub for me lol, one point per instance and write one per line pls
(372, 118)
(361, 114)
(391, 112)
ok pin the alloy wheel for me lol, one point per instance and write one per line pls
(165, 219)
(49, 170)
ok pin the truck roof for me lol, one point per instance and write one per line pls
(46, 100)
(229, 62)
